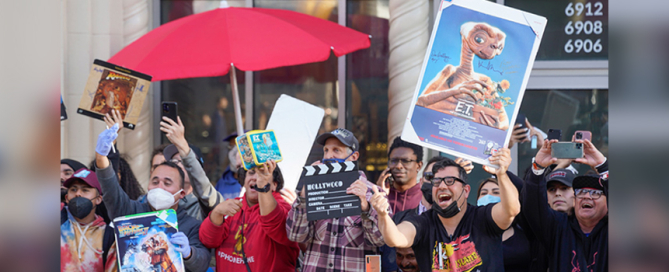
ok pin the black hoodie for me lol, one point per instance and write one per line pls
(569, 248)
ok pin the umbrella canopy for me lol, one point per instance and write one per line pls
(208, 43)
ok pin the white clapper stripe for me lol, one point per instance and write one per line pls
(324, 169)
(310, 170)
(336, 167)
(349, 166)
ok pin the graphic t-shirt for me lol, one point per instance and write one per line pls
(475, 246)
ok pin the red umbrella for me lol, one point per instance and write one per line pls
(209, 43)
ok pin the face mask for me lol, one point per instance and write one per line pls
(80, 207)
(426, 188)
(451, 210)
(161, 199)
(333, 160)
(233, 156)
(487, 199)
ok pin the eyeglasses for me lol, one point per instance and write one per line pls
(394, 161)
(594, 194)
(448, 180)
(428, 175)
(175, 161)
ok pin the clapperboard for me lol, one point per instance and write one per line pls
(326, 186)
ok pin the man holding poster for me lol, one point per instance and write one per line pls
(337, 244)
(454, 235)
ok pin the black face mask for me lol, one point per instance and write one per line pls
(426, 188)
(80, 207)
(451, 210)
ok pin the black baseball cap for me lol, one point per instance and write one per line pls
(563, 176)
(343, 135)
(591, 181)
(172, 150)
(233, 136)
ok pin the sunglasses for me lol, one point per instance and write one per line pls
(448, 180)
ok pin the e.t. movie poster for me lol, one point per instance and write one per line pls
(473, 78)
(111, 87)
(143, 242)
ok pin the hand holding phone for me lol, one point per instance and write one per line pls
(567, 150)
(169, 110)
(554, 134)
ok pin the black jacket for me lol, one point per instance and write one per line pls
(569, 248)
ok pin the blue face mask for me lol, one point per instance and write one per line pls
(487, 199)
(333, 160)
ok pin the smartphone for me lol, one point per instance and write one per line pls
(373, 263)
(390, 180)
(567, 150)
(170, 110)
(554, 134)
(582, 135)
(534, 142)
(521, 120)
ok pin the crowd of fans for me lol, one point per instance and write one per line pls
(551, 219)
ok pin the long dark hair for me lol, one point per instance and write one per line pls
(128, 181)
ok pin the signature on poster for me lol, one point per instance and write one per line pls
(438, 55)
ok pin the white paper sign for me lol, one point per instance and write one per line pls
(295, 124)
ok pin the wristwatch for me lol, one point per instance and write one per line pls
(265, 189)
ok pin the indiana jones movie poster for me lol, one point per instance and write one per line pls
(473, 78)
(111, 87)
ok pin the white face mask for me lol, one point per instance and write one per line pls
(233, 155)
(161, 199)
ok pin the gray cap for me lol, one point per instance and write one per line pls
(343, 135)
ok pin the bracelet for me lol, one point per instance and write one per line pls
(536, 165)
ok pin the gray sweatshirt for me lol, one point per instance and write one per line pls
(119, 204)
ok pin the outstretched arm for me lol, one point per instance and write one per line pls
(202, 188)
(401, 236)
(506, 210)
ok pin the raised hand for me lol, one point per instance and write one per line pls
(380, 202)
(288, 195)
(501, 158)
(174, 131)
(264, 173)
(381, 181)
(359, 188)
(466, 164)
(228, 208)
(106, 140)
(591, 155)
(543, 157)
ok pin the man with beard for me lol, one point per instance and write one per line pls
(406, 260)
(250, 234)
(85, 239)
(454, 235)
(404, 162)
(576, 242)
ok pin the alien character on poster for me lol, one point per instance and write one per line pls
(473, 78)
(144, 243)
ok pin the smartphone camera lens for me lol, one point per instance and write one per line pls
(578, 146)
(579, 135)
(166, 109)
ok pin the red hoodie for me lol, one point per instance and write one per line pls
(407, 200)
(265, 241)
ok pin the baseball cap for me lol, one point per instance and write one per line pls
(172, 150)
(86, 176)
(563, 176)
(343, 135)
(233, 136)
(591, 181)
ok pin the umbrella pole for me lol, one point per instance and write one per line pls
(235, 97)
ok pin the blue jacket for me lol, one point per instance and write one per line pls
(228, 186)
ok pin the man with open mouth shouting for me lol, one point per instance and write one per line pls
(578, 241)
(455, 235)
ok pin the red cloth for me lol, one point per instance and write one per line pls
(266, 244)
(407, 200)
